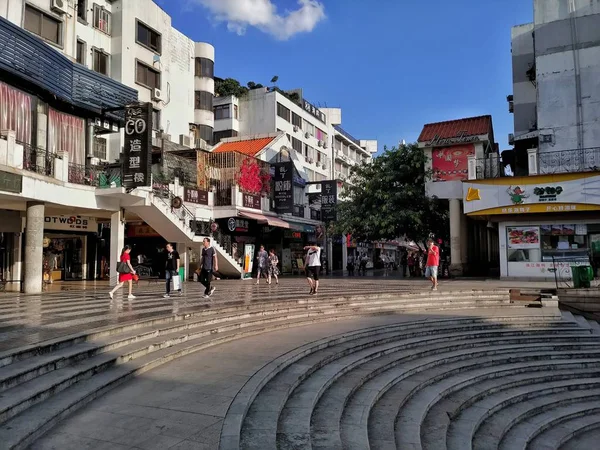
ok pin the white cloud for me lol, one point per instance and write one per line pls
(262, 14)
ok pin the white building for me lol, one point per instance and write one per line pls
(134, 43)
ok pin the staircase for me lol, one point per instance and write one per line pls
(174, 226)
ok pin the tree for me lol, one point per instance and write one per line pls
(229, 86)
(387, 199)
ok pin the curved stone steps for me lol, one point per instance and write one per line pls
(434, 426)
(581, 433)
(260, 418)
(347, 392)
(260, 431)
(523, 433)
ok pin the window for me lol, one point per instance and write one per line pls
(148, 37)
(204, 100)
(205, 133)
(205, 68)
(321, 135)
(82, 10)
(80, 51)
(100, 148)
(308, 128)
(222, 112)
(297, 145)
(147, 76)
(235, 112)
(16, 112)
(219, 135)
(100, 62)
(309, 152)
(101, 19)
(44, 25)
(296, 120)
(283, 112)
(156, 119)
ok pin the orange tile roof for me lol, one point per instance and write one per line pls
(472, 126)
(249, 147)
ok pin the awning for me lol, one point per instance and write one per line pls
(272, 221)
(305, 228)
(530, 135)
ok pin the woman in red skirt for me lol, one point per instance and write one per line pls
(123, 277)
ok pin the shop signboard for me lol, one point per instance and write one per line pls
(534, 194)
(328, 200)
(523, 238)
(11, 182)
(251, 201)
(248, 260)
(316, 112)
(462, 137)
(235, 224)
(138, 145)
(283, 187)
(71, 223)
(451, 163)
(196, 196)
(138, 231)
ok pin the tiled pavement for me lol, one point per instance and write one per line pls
(71, 308)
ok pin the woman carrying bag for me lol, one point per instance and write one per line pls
(126, 273)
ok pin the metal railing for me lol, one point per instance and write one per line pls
(563, 161)
(183, 213)
(490, 167)
(346, 134)
(38, 160)
(85, 175)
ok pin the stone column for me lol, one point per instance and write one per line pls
(117, 242)
(34, 243)
(456, 266)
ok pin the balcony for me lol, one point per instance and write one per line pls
(38, 160)
(490, 167)
(347, 135)
(565, 161)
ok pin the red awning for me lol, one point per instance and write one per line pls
(272, 221)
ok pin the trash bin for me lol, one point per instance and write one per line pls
(576, 272)
(181, 274)
(582, 276)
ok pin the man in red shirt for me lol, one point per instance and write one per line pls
(433, 261)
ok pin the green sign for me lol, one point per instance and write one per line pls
(11, 182)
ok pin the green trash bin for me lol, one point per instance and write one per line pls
(576, 271)
(181, 274)
(582, 276)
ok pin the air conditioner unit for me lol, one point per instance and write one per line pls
(157, 95)
(307, 135)
(320, 144)
(324, 144)
(296, 128)
(185, 140)
(511, 139)
(59, 6)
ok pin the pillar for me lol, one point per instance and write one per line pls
(34, 243)
(184, 256)
(456, 266)
(117, 242)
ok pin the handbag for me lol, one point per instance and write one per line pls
(123, 268)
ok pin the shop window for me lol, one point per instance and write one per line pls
(42, 24)
(149, 38)
(566, 243)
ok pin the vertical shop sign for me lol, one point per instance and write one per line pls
(328, 200)
(248, 260)
(284, 187)
(138, 145)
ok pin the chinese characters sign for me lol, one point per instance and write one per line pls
(451, 163)
(138, 145)
(251, 201)
(284, 187)
(328, 200)
(314, 111)
(197, 196)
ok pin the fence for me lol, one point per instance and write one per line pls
(38, 160)
(563, 161)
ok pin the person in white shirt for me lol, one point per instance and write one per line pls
(313, 267)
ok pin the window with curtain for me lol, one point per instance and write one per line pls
(66, 133)
(16, 112)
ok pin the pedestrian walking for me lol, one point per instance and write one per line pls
(313, 267)
(262, 265)
(273, 269)
(126, 273)
(172, 271)
(209, 264)
(350, 265)
(433, 262)
(404, 263)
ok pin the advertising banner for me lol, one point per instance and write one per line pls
(248, 260)
(328, 200)
(523, 237)
(137, 149)
(283, 187)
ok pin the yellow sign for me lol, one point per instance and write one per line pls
(536, 208)
(473, 194)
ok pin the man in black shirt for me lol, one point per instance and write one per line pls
(172, 271)
(208, 265)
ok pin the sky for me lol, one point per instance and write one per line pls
(391, 65)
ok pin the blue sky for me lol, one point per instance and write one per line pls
(391, 67)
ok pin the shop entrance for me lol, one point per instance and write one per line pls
(64, 257)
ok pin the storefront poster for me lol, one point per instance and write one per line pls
(523, 237)
(248, 260)
(451, 163)
(137, 148)
(196, 196)
(283, 187)
(71, 223)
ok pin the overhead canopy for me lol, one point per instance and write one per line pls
(272, 221)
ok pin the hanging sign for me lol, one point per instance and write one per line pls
(328, 200)
(284, 187)
(138, 145)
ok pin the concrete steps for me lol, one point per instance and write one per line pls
(459, 383)
(43, 383)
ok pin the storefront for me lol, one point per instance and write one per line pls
(70, 246)
(546, 224)
(10, 249)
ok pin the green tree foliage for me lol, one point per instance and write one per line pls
(229, 86)
(387, 199)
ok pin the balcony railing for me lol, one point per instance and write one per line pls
(563, 161)
(346, 135)
(38, 160)
(490, 167)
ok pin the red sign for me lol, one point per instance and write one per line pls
(451, 163)
(141, 231)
